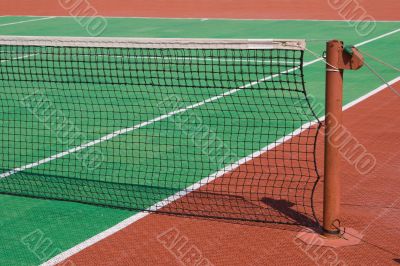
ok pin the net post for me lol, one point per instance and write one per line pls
(333, 119)
(338, 58)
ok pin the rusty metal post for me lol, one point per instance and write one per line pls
(333, 122)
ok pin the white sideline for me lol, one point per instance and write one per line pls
(369, 94)
(377, 38)
(24, 21)
(123, 224)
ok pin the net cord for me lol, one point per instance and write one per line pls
(166, 43)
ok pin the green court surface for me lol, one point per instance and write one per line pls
(65, 224)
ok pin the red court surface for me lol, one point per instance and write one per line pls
(371, 205)
(249, 9)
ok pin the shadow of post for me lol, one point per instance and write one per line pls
(285, 207)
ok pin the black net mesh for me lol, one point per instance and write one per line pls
(205, 132)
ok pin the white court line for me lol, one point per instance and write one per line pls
(377, 38)
(125, 223)
(24, 21)
(362, 98)
(16, 58)
(89, 242)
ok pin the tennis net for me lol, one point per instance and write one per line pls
(215, 128)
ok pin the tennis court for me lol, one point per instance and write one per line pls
(139, 151)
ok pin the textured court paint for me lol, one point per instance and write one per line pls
(72, 223)
(367, 200)
(254, 9)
